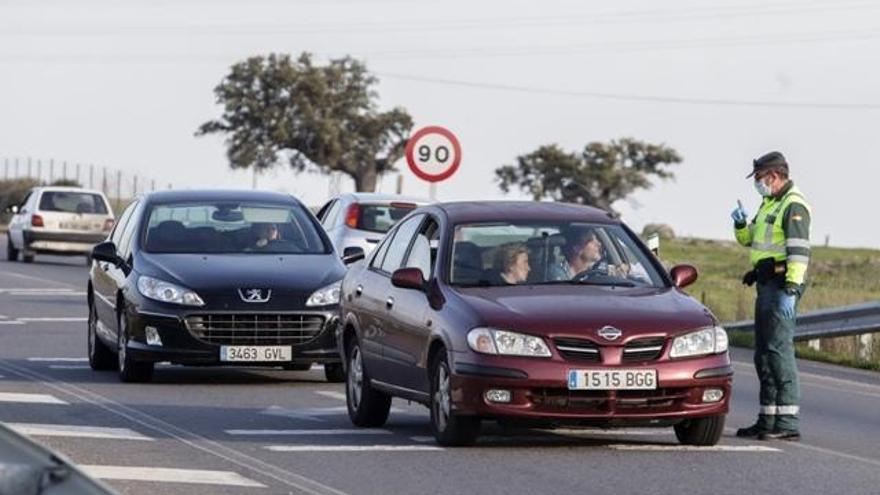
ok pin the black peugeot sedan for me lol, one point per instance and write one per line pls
(214, 278)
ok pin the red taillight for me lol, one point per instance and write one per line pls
(405, 206)
(351, 216)
(108, 225)
(36, 221)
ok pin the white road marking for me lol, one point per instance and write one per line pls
(69, 367)
(803, 374)
(612, 431)
(58, 359)
(309, 432)
(30, 398)
(692, 448)
(52, 293)
(331, 394)
(11, 322)
(191, 476)
(73, 431)
(844, 455)
(313, 413)
(354, 448)
(61, 319)
(43, 280)
(4, 317)
(33, 289)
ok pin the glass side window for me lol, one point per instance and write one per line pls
(329, 218)
(376, 262)
(116, 236)
(397, 249)
(423, 253)
(124, 246)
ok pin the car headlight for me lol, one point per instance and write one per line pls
(160, 290)
(325, 296)
(712, 340)
(493, 341)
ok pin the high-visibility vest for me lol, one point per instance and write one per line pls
(766, 236)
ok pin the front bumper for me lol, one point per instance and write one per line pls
(540, 390)
(179, 345)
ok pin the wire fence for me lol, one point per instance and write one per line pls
(118, 185)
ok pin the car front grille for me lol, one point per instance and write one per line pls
(255, 328)
(640, 350)
(578, 350)
(604, 401)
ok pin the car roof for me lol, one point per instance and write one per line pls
(487, 211)
(183, 195)
(360, 197)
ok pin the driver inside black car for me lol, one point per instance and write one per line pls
(265, 233)
(583, 255)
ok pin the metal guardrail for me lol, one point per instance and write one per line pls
(837, 322)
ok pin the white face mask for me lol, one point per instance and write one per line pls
(762, 188)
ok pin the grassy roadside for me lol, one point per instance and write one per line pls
(746, 339)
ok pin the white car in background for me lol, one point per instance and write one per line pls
(360, 220)
(60, 221)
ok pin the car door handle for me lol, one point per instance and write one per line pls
(359, 290)
(389, 303)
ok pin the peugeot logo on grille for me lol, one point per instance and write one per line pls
(610, 333)
(255, 295)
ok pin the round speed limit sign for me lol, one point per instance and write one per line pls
(433, 153)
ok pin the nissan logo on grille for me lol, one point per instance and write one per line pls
(255, 295)
(610, 333)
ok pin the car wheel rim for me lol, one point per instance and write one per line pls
(355, 378)
(441, 398)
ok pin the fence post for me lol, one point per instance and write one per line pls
(77, 174)
(64, 170)
(39, 170)
(104, 181)
(51, 170)
(134, 187)
(118, 187)
(16, 169)
(6, 168)
(91, 176)
(865, 345)
(29, 167)
(153, 185)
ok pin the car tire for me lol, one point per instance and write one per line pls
(130, 371)
(700, 431)
(334, 372)
(101, 358)
(11, 252)
(450, 429)
(367, 407)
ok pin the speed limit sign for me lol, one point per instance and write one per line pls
(433, 153)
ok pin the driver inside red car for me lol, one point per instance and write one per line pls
(583, 254)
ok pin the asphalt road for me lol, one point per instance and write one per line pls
(251, 431)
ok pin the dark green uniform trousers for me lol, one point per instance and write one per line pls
(775, 361)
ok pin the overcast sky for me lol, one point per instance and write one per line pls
(125, 84)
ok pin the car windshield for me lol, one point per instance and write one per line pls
(500, 254)
(231, 227)
(72, 202)
(380, 217)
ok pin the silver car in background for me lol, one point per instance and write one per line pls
(60, 221)
(360, 220)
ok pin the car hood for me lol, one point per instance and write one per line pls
(287, 273)
(579, 311)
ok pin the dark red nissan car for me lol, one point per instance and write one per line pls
(544, 312)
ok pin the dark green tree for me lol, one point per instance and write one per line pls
(321, 117)
(598, 176)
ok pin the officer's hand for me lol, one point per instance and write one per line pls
(739, 215)
(786, 304)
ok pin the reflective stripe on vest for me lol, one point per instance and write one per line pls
(769, 237)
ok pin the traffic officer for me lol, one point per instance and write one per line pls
(779, 241)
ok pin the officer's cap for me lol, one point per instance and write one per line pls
(772, 160)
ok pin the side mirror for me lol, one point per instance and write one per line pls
(408, 278)
(106, 251)
(352, 254)
(683, 275)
